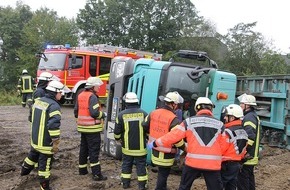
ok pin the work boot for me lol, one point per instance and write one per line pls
(44, 185)
(126, 185)
(26, 169)
(142, 185)
(83, 171)
(99, 177)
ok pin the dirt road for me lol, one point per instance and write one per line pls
(272, 173)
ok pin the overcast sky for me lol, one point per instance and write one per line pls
(272, 16)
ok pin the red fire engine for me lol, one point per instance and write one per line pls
(73, 65)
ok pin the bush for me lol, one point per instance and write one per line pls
(9, 98)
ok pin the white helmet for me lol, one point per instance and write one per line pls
(130, 97)
(234, 110)
(93, 81)
(46, 76)
(24, 71)
(173, 97)
(204, 101)
(55, 86)
(248, 100)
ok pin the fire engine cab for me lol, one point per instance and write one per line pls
(73, 65)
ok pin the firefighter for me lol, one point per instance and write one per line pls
(43, 80)
(251, 123)
(89, 125)
(206, 143)
(158, 123)
(45, 133)
(129, 130)
(25, 88)
(238, 139)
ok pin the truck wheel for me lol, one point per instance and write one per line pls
(114, 149)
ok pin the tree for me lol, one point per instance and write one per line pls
(246, 49)
(45, 27)
(12, 22)
(136, 24)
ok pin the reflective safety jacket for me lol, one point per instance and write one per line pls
(206, 140)
(237, 139)
(45, 124)
(88, 114)
(251, 124)
(25, 84)
(158, 123)
(129, 129)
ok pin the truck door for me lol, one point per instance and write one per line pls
(76, 70)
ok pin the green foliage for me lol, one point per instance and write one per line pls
(9, 98)
(137, 24)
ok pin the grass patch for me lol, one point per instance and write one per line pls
(9, 98)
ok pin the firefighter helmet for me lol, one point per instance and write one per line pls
(46, 76)
(24, 71)
(55, 86)
(93, 81)
(202, 101)
(173, 97)
(234, 110)
(248, 100)
(130, 97)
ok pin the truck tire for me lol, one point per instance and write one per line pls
(114, 149)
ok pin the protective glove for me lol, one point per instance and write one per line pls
(55, 144)
(18, 93)
(150, 145)
(246, 158)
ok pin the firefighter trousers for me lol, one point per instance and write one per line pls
(127, 164)
(229, 173)
(26, 99)
(44, 164)
(212, 178)
(246, 178)
(90, 148)
(163, 173)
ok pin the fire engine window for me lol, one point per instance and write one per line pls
(105, 64)
(78, 63)
(93, 66)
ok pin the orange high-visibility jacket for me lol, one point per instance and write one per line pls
(206, 140)
(237, 139)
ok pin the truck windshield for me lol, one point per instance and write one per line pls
(178, 80)
(55, 61)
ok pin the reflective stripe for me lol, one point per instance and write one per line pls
(141, 152)
(94, 164)
(143, 178)
(126, 176)
(42, 149)
(54, 113)
(29, 162)
(161, 147)
(96, 106)
(88, 120)
(203, 156)
(90, 129)
(54, 133)
(251, 142)
(250, 124)
(83, 166)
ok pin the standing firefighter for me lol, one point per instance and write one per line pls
(45, 133)
(206, 144)
(238, 139)
(158, 123)
(251, 123)
(89, 121)
(43, 80)
(133, 138)
(25, 88)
